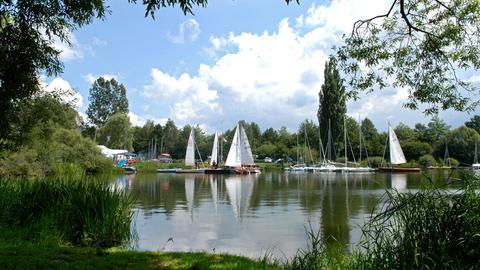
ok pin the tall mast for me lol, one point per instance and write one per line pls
(345, 138)
(360, 136)
(298, 160)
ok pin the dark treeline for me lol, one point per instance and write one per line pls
(430, 143)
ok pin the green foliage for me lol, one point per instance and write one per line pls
(427, 161)
(116, 133)
(26, 47)
(428, 229)
(415, 149)
(332, 106)
(63, 150)
(80, 212)
(266, 150)
(23, 162)
(419, 45)
(474, 123)
(461, 144)
(374, 162)
(373, 140)
(107, 98)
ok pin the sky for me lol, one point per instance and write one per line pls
(258, 61)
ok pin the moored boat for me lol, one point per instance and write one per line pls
(240, 159)
(396, 155)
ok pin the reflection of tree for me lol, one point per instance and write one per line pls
(334, 219)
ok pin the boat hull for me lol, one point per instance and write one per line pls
(398, 169)
(217, 171)
(190, 171)
(174, 170)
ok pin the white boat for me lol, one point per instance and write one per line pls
(396, 154)
(190, 156)
(240, 159)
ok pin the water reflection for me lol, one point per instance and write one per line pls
(249, 215)
(239, 189)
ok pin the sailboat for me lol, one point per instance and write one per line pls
(215, 160)
(190, 156)
(396, 154)
(240, 158)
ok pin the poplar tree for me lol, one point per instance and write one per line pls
(332, 107)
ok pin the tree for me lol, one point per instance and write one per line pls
(405, 133)
(372, 139)
(461, 144)
(436, 131)
(107, 98)
(420, 45)
(474, 123)
(270, 136)
(27, 30)
(117, 132)
(332, 107)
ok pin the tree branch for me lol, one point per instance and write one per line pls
(359, 23)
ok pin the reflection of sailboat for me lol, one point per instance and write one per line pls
(214, 190)
(396, 154)
(240, 158)
(189, 193)
(239, 190)
(190, 156)
(399, 181)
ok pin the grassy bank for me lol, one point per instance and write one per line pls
(55, 257)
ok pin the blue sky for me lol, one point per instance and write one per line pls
(258, 61)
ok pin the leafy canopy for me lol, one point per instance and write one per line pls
(107, 97)
(419, 45)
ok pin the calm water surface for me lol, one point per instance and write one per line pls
(255, 214)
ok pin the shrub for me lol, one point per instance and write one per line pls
(427, 161)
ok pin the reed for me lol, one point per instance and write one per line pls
(429, 229)
(82, 213)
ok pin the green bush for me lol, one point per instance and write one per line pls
(427, 161)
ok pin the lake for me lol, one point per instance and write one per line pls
(254, 215)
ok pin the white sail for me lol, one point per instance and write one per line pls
(396, 153)
(190, 154)
(246, 151)
(234, 157)
(214, 150)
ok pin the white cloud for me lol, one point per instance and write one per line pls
(68, 52)
(270, 78)
(91, 78)
(68, 94)
(139, 121)
(187, 31)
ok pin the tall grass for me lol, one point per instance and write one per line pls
(433, 228)
(82, 213)
(429, 229)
